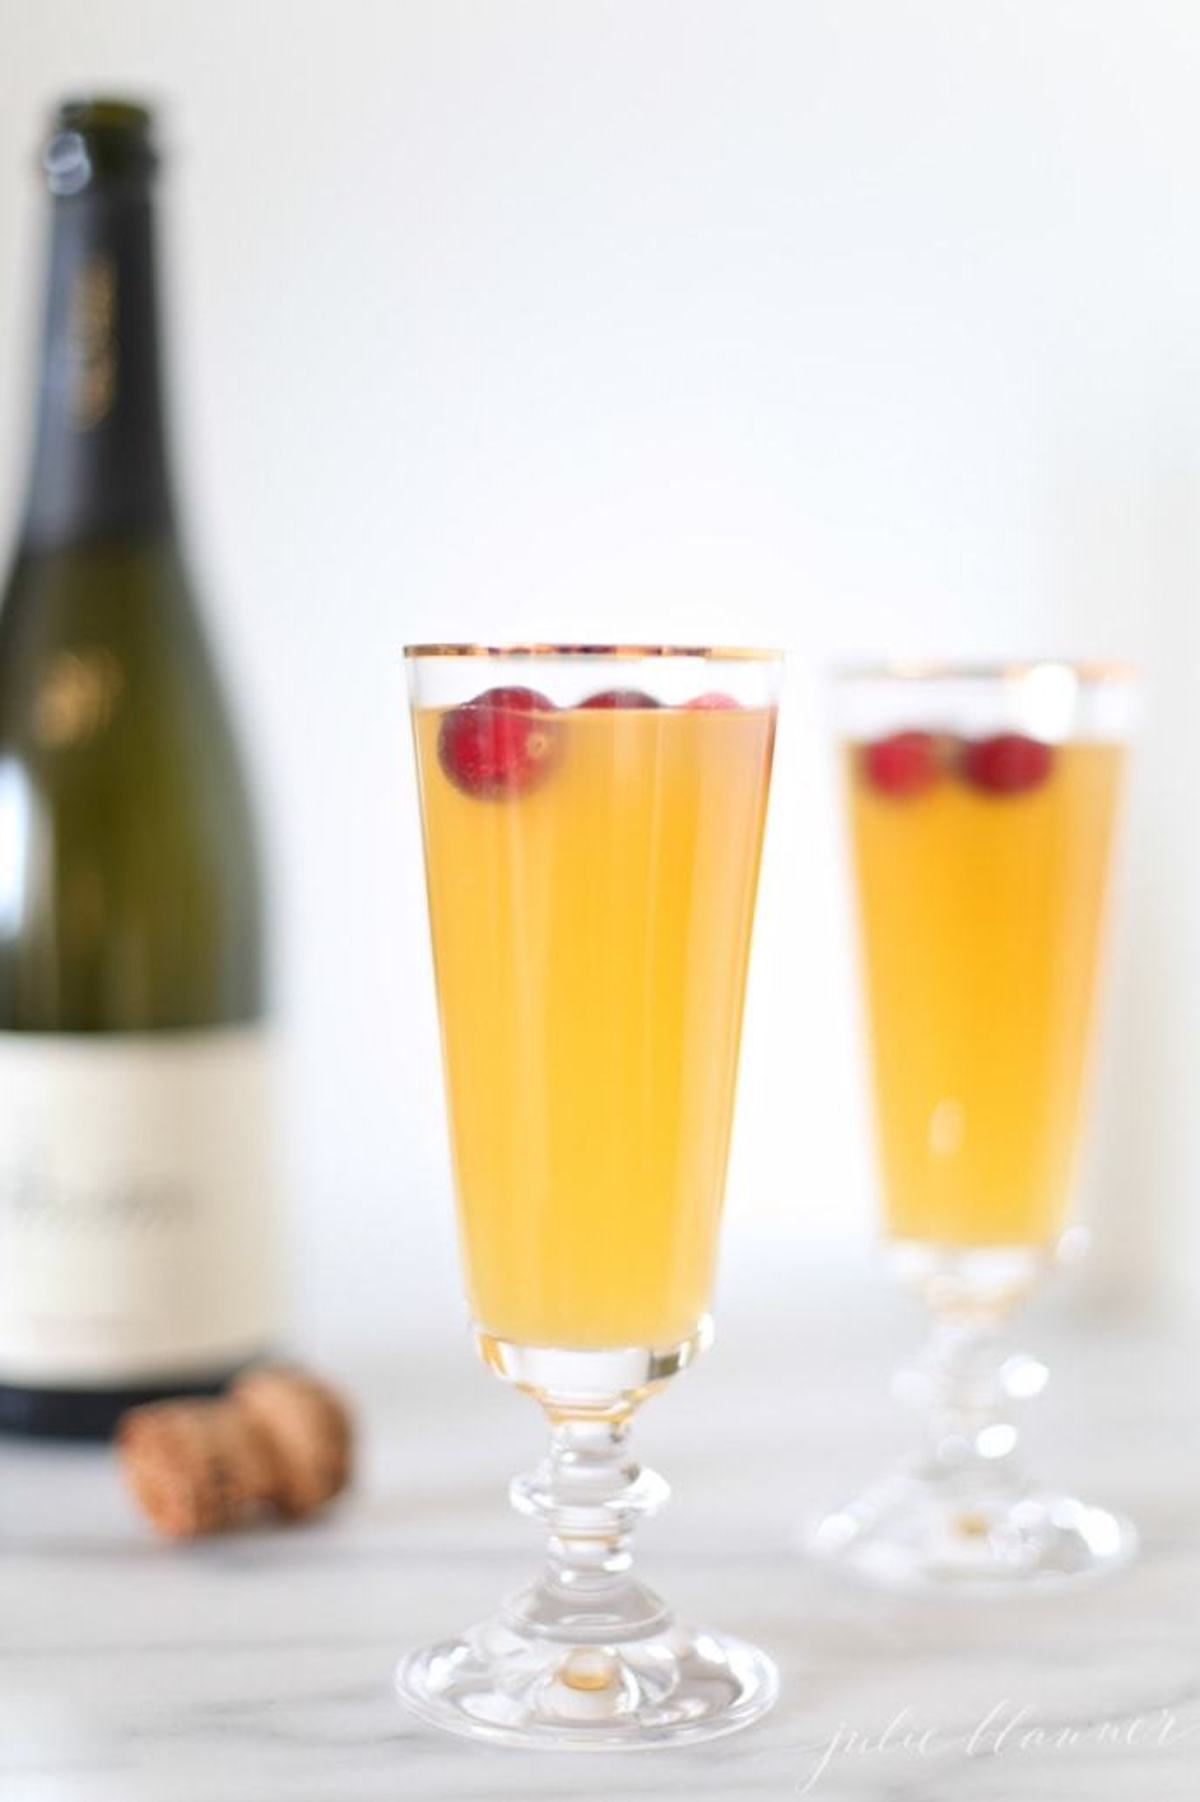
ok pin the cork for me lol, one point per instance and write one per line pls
(279, 1440)
(195, 1467)
(307, 1427)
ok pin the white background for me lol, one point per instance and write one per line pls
(866, 327)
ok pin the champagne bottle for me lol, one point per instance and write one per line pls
(136, 1225)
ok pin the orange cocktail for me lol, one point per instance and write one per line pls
(982, 876)
(591, 921)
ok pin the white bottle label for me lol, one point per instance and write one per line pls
(138, 1205)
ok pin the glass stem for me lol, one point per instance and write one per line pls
(589, 1492)
(968, 1383)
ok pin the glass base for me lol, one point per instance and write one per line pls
(510, 1688)
(588, 1655)
(908, 1534)
(962, 1517)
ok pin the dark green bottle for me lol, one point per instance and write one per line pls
(136, 1218)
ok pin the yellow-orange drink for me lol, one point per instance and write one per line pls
(591, 879)
(981, 876)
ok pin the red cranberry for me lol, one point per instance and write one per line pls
(1008, 764)
(504, 742)
(620, 698)
(904, 765)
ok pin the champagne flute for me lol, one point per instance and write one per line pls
(592, 825)
(982, 807)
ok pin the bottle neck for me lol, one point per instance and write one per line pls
(100, 463)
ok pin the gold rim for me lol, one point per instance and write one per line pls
(626, 652)
(917, 670)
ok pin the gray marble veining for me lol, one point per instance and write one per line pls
(257, 1669)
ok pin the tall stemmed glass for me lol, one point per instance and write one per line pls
(982, 806)
(592, 821)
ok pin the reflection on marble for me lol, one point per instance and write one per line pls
(258, 1669)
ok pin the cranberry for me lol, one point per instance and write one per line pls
(620, 698)
(1008, 764)
(504, 742)
(904, 765)
(713, 702)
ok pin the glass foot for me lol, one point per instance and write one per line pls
(668, 1688)
(908, 1534)
(587, 1654)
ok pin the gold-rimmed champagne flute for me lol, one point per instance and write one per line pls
(982, 806)
(592, 826)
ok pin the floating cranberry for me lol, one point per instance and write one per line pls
(1008, 764)
(504, 742)
(904, 765)
(620, 698)
(713, 702)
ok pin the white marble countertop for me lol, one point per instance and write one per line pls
(257, 1668)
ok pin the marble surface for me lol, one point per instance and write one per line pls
(257, 1668)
